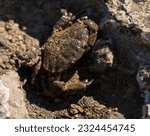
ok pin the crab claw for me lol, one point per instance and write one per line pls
(73, 86)
(88, 82)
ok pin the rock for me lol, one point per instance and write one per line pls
(75, 109)
(116, 115)
(4, 97)
(87, 107)
(14, 96)
(146, 111)
(131, 12)
(4, 93)
(102, 56)
(143, 79)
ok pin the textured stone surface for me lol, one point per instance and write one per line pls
(131, 12)
(16, 103)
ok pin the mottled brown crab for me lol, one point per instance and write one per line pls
(63, 49)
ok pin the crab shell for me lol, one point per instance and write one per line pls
(66, 47)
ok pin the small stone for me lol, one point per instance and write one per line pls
(87, 113)
(24, 28)
(102, 56)
(2, 29)
(76, 116)
(73, 111)
(115, 109)
(12, 61)
(80, 109)
(20, 37)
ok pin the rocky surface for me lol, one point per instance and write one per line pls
(115, 92)
(4, 97)
(16, 105)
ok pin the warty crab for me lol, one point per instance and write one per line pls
(61, 51)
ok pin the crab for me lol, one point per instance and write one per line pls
(67, 44)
